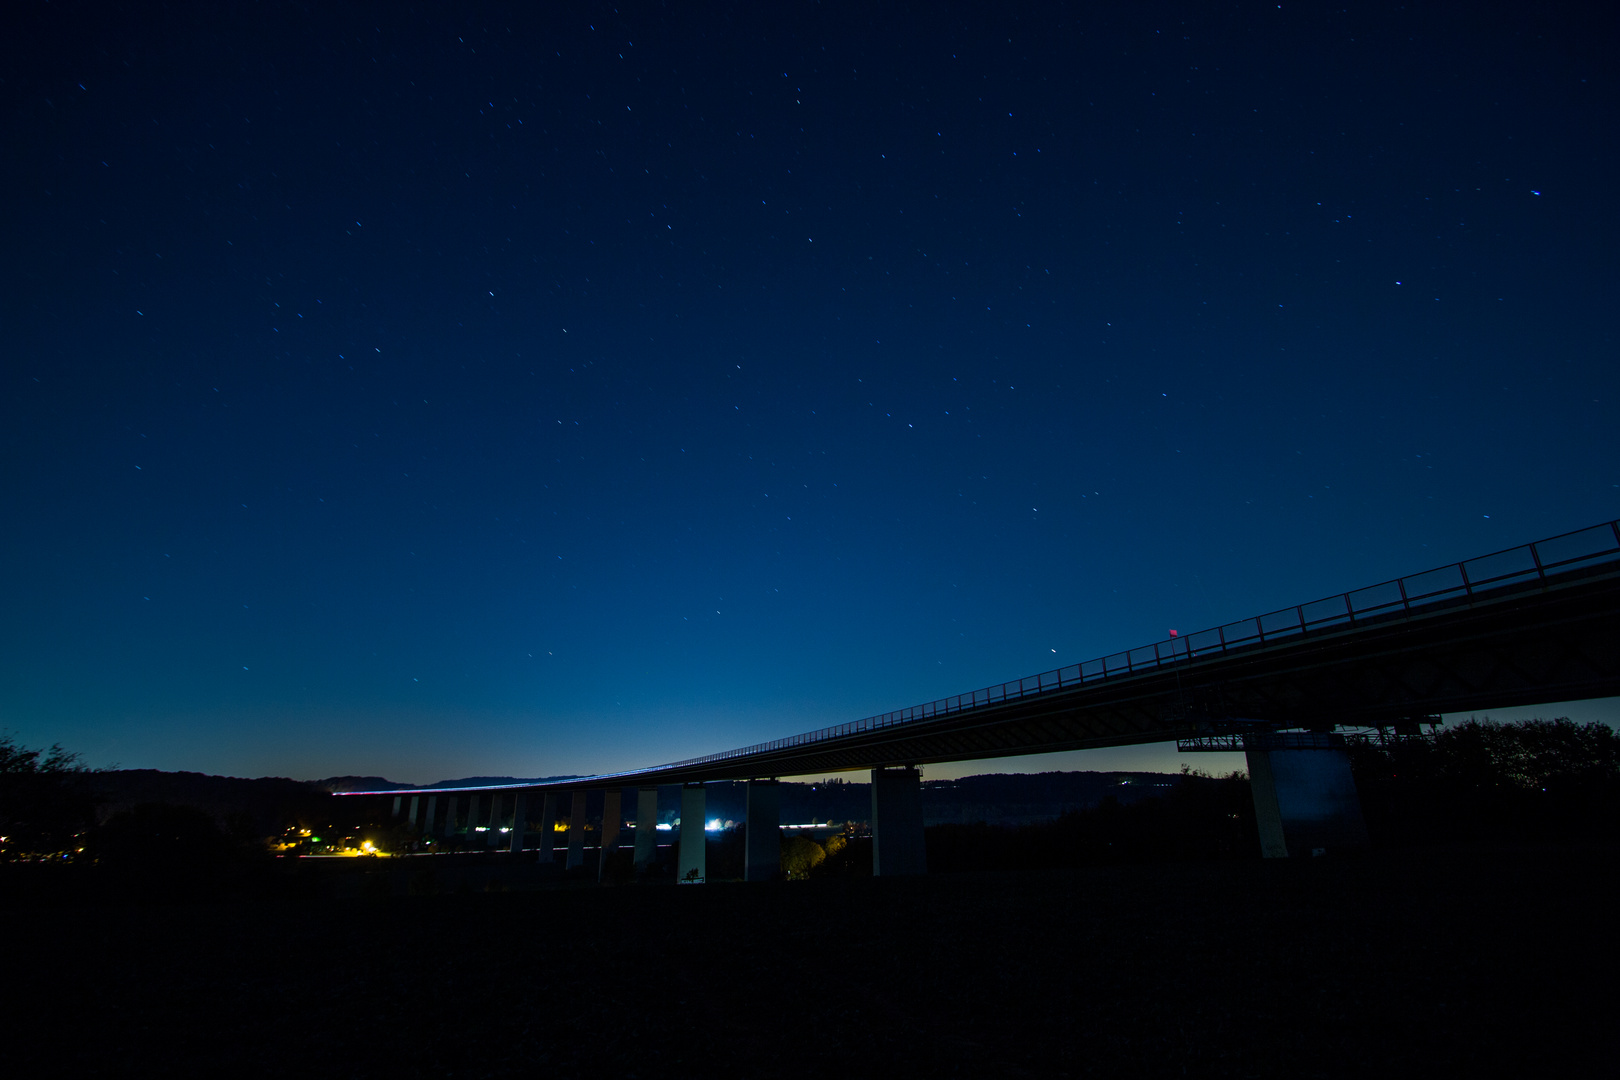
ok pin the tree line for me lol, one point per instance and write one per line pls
(1482, 781)
(1533, 781)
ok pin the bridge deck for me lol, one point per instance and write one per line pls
(1531, 624)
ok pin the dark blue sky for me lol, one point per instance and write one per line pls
(431, 391)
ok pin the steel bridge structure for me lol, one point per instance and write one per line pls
(1532, 624)
(1529, 625)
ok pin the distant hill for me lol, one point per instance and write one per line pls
(1027, 798)
(380, 783)
(272, 802)
(993, 798)
(492, 781)
(361, 783)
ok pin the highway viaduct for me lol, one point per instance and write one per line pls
(1533, 624)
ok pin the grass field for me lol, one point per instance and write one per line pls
(1452, 963)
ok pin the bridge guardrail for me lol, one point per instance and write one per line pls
(1527, 568)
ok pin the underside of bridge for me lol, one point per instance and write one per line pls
(1557, 644)
(1450, 640)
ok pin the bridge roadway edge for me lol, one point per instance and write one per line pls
(1560, 643)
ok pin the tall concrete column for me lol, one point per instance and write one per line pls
(646, 828)
(548, 827)
(1305, 799)
(1267, 815)
(762, 831)
(576, 831)
(493, 837)
(610, 828)
(520, 821)
(432, 812)
(897, 823)
(397, 800)
(693, 867)
(449, 816)
(415, 799)
(472, 818)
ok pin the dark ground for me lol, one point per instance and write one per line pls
(1476, 963)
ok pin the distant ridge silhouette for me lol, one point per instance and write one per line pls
(380, 783)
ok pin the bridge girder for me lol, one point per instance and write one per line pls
(1554, 637)
(1561, 644)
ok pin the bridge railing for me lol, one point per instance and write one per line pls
(1527, 568)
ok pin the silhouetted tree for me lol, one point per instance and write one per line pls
(45, 802)
(801, 855)
(848, 855)
(1200, 817)
(1483, 780)
(160, 835)
(725, 854)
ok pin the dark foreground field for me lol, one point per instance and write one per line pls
(1454, 964)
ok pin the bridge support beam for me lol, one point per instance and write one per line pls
(449, 816)
(762, 831)
(472, 818)
(897, 823)
(646, 828)
(432, 815)
(576, 831)
(520, 821)
(548, 828)
(1305, 799)
(493, 837)
(397, 800)
(693, 867)
(415, 800)
(610, 830)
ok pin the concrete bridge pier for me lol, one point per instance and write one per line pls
(492, 838)
(762, 831)
(897, 823)
(432, 815)
(398, 799)
(1305, 800)
(610, 829)
(520, 821)
(415, 799)
(693, 867)
(472, 818)
(576, 831)
(646, 828)
(449, 816)
(548, 828)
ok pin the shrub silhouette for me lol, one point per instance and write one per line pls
(1200, 818)
(45, 804)
(801, 855)
(1483, 780)
(160, 835)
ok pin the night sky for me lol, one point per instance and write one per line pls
(461, 389)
